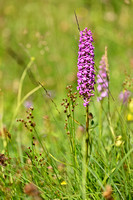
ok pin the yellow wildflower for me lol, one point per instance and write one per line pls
(129, 117)
(63, 183)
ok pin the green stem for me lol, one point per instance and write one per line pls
(22, 80)
(20, 103)
(87, 134)
(85, 149)
(100, 120)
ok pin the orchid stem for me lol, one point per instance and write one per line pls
(87, 134)
(85, 155)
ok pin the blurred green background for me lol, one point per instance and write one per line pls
(47, 30)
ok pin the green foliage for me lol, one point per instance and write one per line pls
(41, 148)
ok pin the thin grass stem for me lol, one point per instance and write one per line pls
(100, 120)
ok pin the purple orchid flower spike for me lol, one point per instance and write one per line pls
(102, 80)
(124, 96)
(86, 72)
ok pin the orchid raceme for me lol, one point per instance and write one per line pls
(86, 72)
(102, 80)
(124, 96)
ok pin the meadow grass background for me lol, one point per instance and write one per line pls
(47, 31)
